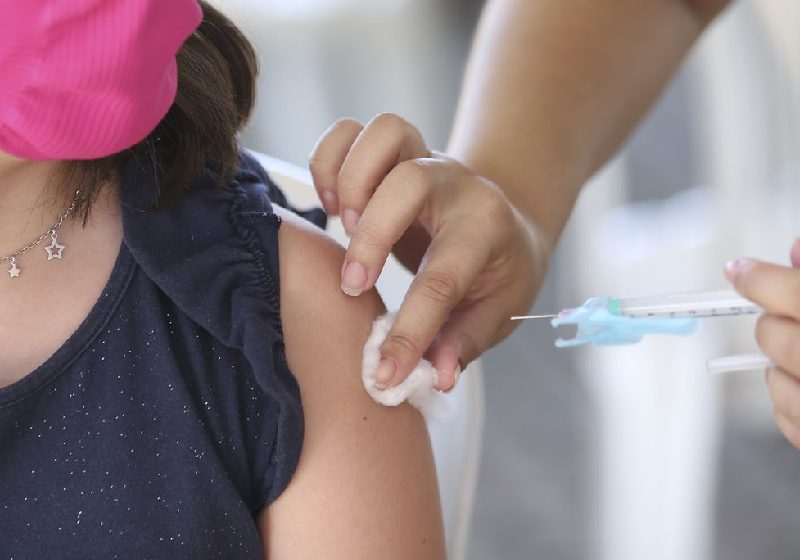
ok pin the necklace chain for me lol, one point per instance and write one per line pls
(54, 250)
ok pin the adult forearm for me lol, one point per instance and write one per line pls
(555, 86)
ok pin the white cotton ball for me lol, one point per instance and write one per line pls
(418, 388)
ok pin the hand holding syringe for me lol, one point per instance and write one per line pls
(776, 288)
(610, 321)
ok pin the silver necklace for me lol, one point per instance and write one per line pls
(54, 250)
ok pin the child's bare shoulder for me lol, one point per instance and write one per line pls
(366, 482)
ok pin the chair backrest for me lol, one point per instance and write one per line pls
(456, 441)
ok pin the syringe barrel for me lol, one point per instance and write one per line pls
(692, 304)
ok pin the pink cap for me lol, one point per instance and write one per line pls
(84, 79)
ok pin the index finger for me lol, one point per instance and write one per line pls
(327, 157)
(385, 141)
(773, 287)
(455, 258)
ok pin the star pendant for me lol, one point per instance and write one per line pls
(54, 250)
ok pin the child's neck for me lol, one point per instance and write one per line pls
(29, 205)
(50, 299)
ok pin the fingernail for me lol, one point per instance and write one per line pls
(794, 254)
(331, 202)
(354, 278)
(456, 375)
(384, 373)
(735, 267)
(350, 220)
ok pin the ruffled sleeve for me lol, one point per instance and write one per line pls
(215, 255)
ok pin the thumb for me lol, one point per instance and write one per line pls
(795, 253)
(464, 337)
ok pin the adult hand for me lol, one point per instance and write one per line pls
(477, 260)
(777, 290)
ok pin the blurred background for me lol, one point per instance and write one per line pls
(612, 453)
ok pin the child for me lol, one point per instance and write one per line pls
(180, 370)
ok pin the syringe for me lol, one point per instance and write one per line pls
(682, 305)
(603, 328)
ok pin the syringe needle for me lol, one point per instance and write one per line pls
(521, 317)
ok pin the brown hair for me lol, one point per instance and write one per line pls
(217, 71)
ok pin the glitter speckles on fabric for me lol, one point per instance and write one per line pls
(138, 453)
(152, 433)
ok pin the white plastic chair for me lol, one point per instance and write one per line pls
(457, 441)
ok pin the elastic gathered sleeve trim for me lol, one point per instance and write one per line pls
(215, 254)
(253, 169)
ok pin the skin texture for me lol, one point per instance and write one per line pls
(28, 332)
(366, 484)
(777, 290)
(553, 89)
(576, 77)
(478, 267)
(360, 491)
(28, 207)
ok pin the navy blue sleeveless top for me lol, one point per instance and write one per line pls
(169, 418)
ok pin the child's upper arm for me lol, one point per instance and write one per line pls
(365, 486)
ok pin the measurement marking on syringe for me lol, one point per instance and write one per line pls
(688, 313)
(684, 305)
